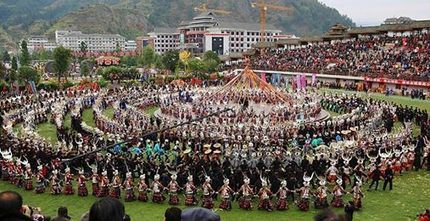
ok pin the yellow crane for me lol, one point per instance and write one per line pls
(263, 8)
(204, 8)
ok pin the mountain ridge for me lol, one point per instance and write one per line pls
(132, 18)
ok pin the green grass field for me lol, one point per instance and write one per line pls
(108, 112)
(48, 131)
(88, 118)
(333, 114)
(410, 196)
(405, 101)
(151, 110)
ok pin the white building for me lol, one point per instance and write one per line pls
(59, 35)
(94, 42)
(130, 46)
(37, 43)
(164, 39)
(208, 32)
(236, 37)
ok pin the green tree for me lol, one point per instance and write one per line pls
(85, 69)
(12, 76)
(170, 60)
(158, 62)
(196, 65)
(6, 57)
(147, 56)
(210, 55)
(2, 71)
(211, 61)
(113, 73)
(26, 74)
(62, 59)
(25, 55)
(129, 61)
(83, 47)
(42, 55)
(211, 65)
(14, 64)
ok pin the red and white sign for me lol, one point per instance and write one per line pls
(395, 81)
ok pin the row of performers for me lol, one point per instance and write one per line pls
(101, 187)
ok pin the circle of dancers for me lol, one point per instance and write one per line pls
(315, 164)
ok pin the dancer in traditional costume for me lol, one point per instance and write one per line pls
(337, 192)
(82, 187)
(6, 160)
(157, 188)
(332, 171)
(225, 192)
(264, 194)
(68, 185)
(115, 191)
(282, 203)
(305, 192)
(129, 188)
(143, 189)
(18, 177)
(95, 179)
(28, 177)
(173, 188)
(247, 193)
(357, 194)
(321, 201)
(104, 185)
(40, 180)
(55, 183)
(208, 201)
(190, 192)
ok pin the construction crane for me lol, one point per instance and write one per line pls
(204, 8)
(263, 7)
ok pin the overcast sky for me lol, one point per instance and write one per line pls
(374, 12)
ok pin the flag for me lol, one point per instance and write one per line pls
(263, 77)
(298, 82)
(314, 79)
(274, 78)
(303, 81)
(33, 87)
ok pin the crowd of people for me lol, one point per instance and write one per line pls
(303, 163)
(401, 57)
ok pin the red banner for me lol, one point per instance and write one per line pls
(398, 81)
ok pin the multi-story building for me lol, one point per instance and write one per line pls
(130, 45)
(60, 35)
(193, 32)
(37, 43)
(236, 37)
(208, 32)
(163, 39)
(94, 42)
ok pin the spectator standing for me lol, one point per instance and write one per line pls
(388, 179)
(376, 176)
(349, 211)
